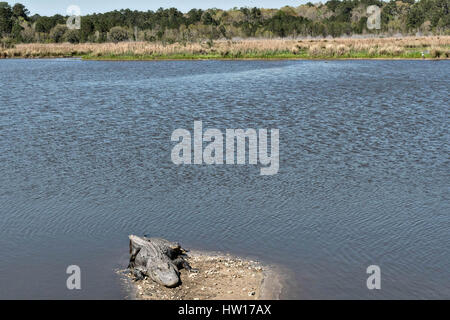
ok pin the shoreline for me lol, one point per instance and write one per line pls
(220, 277)
(262, 59)
(228, 59)
(406, 48)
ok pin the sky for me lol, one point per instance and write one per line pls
(51, 7)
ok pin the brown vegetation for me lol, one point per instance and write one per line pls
(406, 47)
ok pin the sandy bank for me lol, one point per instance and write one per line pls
(219, 277)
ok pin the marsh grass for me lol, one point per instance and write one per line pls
(340, 48)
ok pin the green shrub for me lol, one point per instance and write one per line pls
(118, 34)
(6, 43)
(72, 36)
(57, 33)
(27, 35)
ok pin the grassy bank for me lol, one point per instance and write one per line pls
(436, 47)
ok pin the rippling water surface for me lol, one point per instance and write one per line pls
(364, 172)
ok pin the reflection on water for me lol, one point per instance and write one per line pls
(364, 171)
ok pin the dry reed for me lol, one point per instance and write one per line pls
(433, 46)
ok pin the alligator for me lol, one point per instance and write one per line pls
(158, 259)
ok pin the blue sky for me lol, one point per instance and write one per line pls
(50, 7)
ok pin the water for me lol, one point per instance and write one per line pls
(364, 172)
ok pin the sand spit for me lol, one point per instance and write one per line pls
(219, 277)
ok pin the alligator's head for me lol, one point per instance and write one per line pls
(165, 273)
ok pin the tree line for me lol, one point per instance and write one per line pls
(333, 18)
